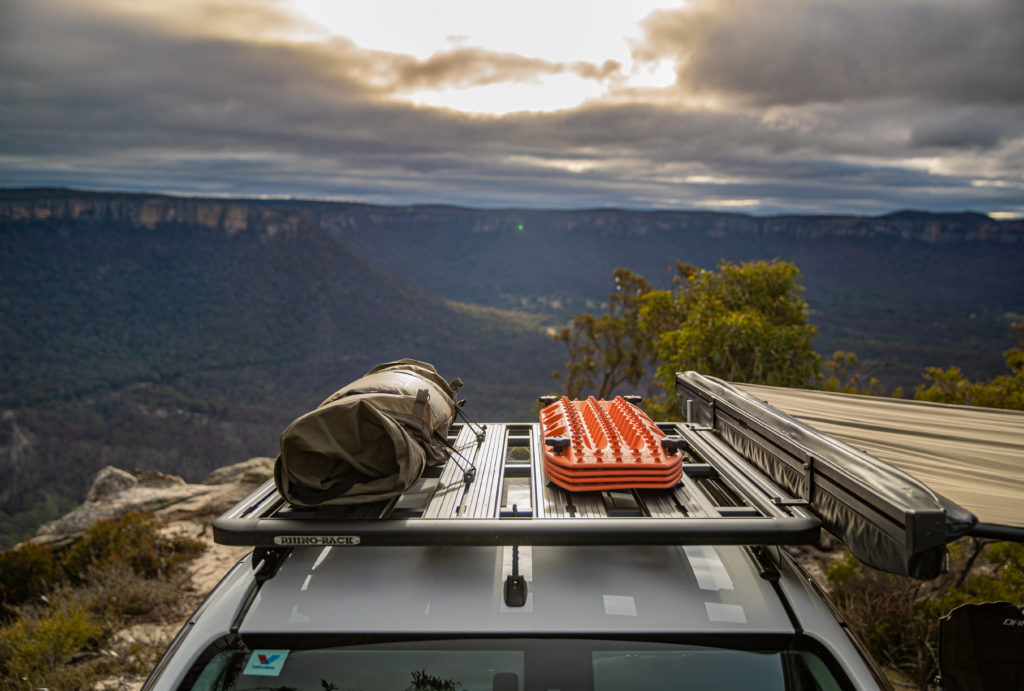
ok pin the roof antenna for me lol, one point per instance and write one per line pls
(515, 584)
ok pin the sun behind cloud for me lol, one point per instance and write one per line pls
(572, 44)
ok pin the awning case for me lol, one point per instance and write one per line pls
(972, 456)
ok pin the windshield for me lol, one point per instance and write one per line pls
(508, 665)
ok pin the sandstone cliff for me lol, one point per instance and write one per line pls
(146, 211)
(271, 217)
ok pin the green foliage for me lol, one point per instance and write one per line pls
(24, 573)
(422, 681)
(37, 648)
(746, 322)
(842, 375)
(131, 540)
(62, 607)
(952, 386)
(116, 593)
(1002, 577)
(131, 544)
(67, 639)
(897, 618)
(608, 351)
(886, 613)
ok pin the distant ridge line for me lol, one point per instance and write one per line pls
(64, 193)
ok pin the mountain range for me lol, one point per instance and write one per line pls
(182, 334)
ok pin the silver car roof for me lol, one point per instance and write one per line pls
(457, 590)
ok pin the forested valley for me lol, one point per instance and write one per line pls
(182, 334)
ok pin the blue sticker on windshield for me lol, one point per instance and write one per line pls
(266, 663)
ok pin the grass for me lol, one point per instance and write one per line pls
(63, 612)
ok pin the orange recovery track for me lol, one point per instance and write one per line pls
(605, 445)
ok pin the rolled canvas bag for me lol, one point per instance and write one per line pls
(370, 440)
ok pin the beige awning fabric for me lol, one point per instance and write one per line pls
(973, 456)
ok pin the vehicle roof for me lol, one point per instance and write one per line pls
(578, 590)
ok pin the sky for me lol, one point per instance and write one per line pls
(789, 106)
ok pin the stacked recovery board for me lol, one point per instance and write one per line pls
(605, 445)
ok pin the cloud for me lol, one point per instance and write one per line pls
(804, 51)
(253, 21)
(102, 97)
(473, 66)
(970, 128)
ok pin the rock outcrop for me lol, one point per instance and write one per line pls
(115, 492)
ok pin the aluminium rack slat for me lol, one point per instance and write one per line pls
(448, 497)
(469, 514)
(658, 504)
(483, 494)
(538, 489)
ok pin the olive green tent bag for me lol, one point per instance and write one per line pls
(371, 440)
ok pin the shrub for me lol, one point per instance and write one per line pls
(25, 572)
(63, 607)
(897, 617)
(119, 595)
(36, 648)
(132, 540)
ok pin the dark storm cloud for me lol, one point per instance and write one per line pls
(838, 50)
(96, 98)
(965, 128)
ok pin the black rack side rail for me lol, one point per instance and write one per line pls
(253, 522)
(888, 519)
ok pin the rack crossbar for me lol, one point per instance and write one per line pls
(519, 531)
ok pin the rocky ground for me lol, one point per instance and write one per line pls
(184, 508)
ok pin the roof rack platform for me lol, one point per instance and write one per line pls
(751, 475)
(718, 501)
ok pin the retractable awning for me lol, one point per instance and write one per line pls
(972, 456)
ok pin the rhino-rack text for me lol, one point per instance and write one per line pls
(316, 540)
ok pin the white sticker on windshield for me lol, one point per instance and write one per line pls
(266, 663)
